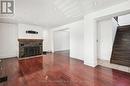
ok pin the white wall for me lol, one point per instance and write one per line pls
(114, 28)
(105, 39)
(61, 40)
(22, 28)
(124, 20)
(90, 41)
(8, 40)
(76, 38)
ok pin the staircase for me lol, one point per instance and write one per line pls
(121, 47)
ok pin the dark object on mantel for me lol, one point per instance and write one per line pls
(31, 32)
(3, 79)
(30, 47)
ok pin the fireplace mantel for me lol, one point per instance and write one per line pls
(30, 40)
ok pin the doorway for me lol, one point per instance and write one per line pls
(62, 41)
(113, 40)
(105, 36)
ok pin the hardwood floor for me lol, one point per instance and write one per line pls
(60, 70)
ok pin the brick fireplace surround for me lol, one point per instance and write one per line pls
(30, 47)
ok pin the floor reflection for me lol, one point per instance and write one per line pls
(60, 70)
(29, 66)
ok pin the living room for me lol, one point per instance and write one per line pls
(64, 43)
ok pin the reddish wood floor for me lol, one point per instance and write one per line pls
(60, 70)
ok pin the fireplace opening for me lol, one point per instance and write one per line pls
(30, 47)
(31, 51)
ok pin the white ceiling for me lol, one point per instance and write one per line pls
(52, 13)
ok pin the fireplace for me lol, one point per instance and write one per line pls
(30, 47)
